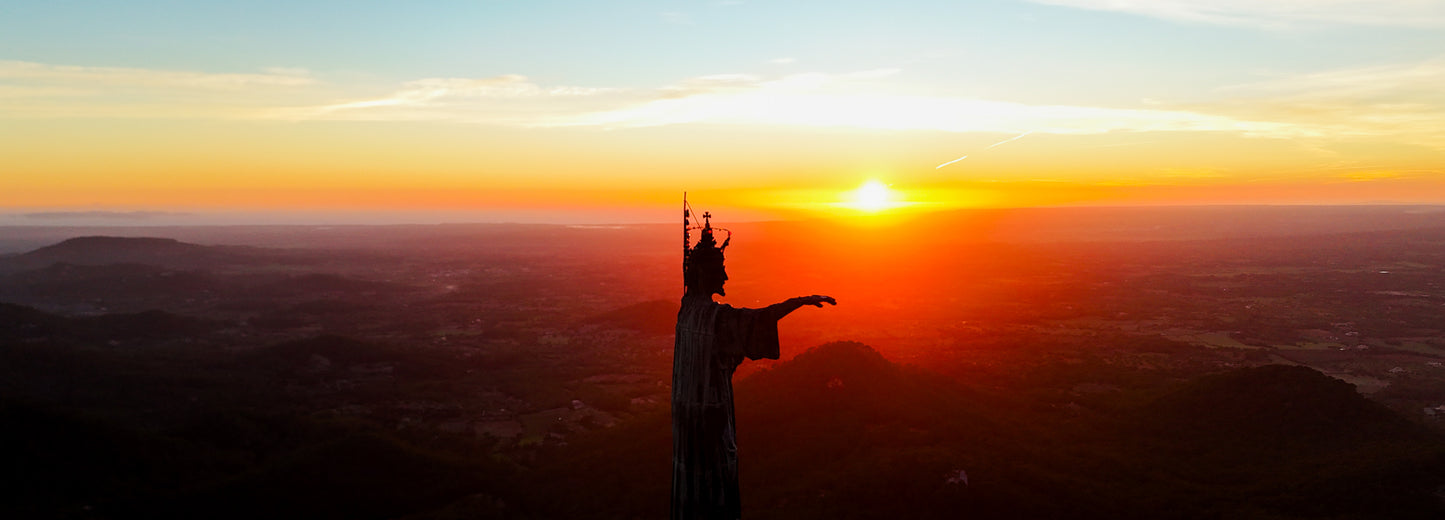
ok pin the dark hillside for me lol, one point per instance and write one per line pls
(19, 323)
(102, 250)
(164, 252)
(1274, 408)
(1293, 441)
(841, 432)
(355, 476)
(837, 432)
(64, 467)
(68, 283)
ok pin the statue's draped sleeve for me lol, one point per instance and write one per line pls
(750, 333)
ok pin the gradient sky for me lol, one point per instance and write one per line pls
(549, 110)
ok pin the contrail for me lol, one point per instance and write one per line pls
(950, 162)
(1009, 140)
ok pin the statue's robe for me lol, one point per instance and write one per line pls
(712, 340)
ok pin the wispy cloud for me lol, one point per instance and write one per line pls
(104, 215)
(1386, 175)
(41, 73)
(862, 99)
(711, 84)
(1383, 81)
(1277, 13)
(1190, 173)
(1400, 100)
(868, 99)
(508, 99)
(29, 89)
(858, 101)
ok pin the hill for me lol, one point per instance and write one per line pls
(1291, 440)
(842, 432)
(1274, 408)
(154, 251)
(101, 250)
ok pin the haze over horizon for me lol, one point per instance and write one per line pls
(568, 112)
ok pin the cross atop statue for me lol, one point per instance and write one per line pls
(711, 341)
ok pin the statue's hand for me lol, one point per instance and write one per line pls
(817, 300)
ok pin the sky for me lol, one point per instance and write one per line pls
(498, 110)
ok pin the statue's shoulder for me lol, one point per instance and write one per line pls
(699, 305)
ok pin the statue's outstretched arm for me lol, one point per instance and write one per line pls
(785, 307)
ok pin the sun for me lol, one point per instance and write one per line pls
(873, 196)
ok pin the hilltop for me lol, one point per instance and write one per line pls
(104, 250)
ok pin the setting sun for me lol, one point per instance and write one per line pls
(873, 196)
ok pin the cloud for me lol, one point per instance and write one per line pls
(1389, 100)
(1190, 173)
(1385, 100)
(862, 99)
(1277, 13)
(858, 101)
(507, 99)
(516, 100)
(1400, 100)
(29, 89)
(30, 72)
(1376, 81)
(1386, 175)
(103, 215)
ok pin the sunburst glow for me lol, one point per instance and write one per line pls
(873, 196)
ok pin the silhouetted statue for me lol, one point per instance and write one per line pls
(712, 340)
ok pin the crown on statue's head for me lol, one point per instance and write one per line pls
(706, 240)
(706, 254)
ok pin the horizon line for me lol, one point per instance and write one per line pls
(589, 217)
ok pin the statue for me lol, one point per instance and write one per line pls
(712, 340)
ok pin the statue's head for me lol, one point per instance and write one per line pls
(704, 273)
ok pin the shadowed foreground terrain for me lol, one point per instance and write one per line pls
(521, 372)
(839, 431)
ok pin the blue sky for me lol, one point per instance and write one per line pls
(640, 44)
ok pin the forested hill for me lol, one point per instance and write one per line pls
(841, 432)
(152, 251)
(101, 250)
